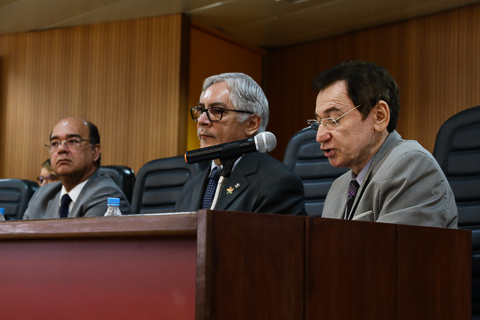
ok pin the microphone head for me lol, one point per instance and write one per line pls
(265, 141)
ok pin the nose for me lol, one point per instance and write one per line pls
(203, 119)
(44, 182)
(322, 135)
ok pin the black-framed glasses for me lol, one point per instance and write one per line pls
(70, 143)
(328, 123)
(213, 113)
(50, 177)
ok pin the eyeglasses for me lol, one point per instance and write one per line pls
(50, 177)
(328, 123)
(213, 113)
(70, 143)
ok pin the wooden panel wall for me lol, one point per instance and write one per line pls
(130, 78)
(435, 61)
(228, 55)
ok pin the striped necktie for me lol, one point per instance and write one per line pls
(352, 192)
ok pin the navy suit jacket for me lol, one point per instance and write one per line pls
(258, 183)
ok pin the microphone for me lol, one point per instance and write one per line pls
(262, 142)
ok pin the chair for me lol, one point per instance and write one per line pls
(123, 176)
(457, 150)
(159, 183)
(15, 195)
(304, 157)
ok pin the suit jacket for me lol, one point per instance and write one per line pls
(258, 183)
(404, 184)
(91, 202)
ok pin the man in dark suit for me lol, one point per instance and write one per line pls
(82, 192)
(233, 107)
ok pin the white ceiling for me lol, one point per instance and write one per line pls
(264, 23)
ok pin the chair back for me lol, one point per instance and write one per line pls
(123, 176)
(159, 183)
(457, 150)
(304, 157)
(15, 195)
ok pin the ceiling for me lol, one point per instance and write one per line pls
(263, 23)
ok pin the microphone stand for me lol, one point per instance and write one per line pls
(228, 156)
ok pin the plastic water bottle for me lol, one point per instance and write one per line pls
(2, 214)
(113, 209)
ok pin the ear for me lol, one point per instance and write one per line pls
(381, 114)
(96, 152)
(253, 123)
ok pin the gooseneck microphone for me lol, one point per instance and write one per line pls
(262, 142)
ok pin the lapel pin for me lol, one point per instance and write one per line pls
(230, 190)
(237, 185)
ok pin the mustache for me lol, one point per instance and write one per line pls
(205, 132)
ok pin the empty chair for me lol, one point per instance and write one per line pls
(123, 176)
(15, 195)
(457, 150)
(303, 155)
(159, 183)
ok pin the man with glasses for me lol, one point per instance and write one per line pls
(233, 107)
(82, 192)
(390, 179)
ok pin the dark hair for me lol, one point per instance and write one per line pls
(367, 83)
(94, 138)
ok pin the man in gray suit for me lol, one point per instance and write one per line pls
(233, 107)
(390, 179)
(82, 192)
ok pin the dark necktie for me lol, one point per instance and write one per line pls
(352, 192)
(211, 187)
(65, 205)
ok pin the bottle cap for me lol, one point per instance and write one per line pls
(2, 210)
(113, 202)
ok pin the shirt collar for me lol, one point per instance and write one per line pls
(74, 193)
(214, 165)
(361, 176)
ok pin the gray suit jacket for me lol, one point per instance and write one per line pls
(404, 184)
(259, 183)
(92, 201)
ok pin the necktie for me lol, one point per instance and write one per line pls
(65, 205)
(211, 187)
(352, 192)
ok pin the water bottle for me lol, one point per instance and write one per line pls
(2, 214)
(113, 209)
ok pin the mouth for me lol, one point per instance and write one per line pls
(63, 161)
(328, 152)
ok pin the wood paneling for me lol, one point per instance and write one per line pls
(433, 59)
(213, 53)
(130, 78)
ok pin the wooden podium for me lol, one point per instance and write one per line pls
(232, 265)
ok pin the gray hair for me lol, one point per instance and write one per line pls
(245, 94)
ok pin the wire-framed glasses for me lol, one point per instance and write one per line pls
(50, 177)
(213, 113)
(71, 143)
(328, 123)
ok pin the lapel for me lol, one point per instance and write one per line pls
(238, 182)
(53, 206)
(199, 183)
(392, 140)
(78, 205)
(337, 207)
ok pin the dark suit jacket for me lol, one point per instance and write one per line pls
(404, 184)
(259, 183)
(92, 201)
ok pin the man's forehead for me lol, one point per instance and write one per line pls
(70, 127)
